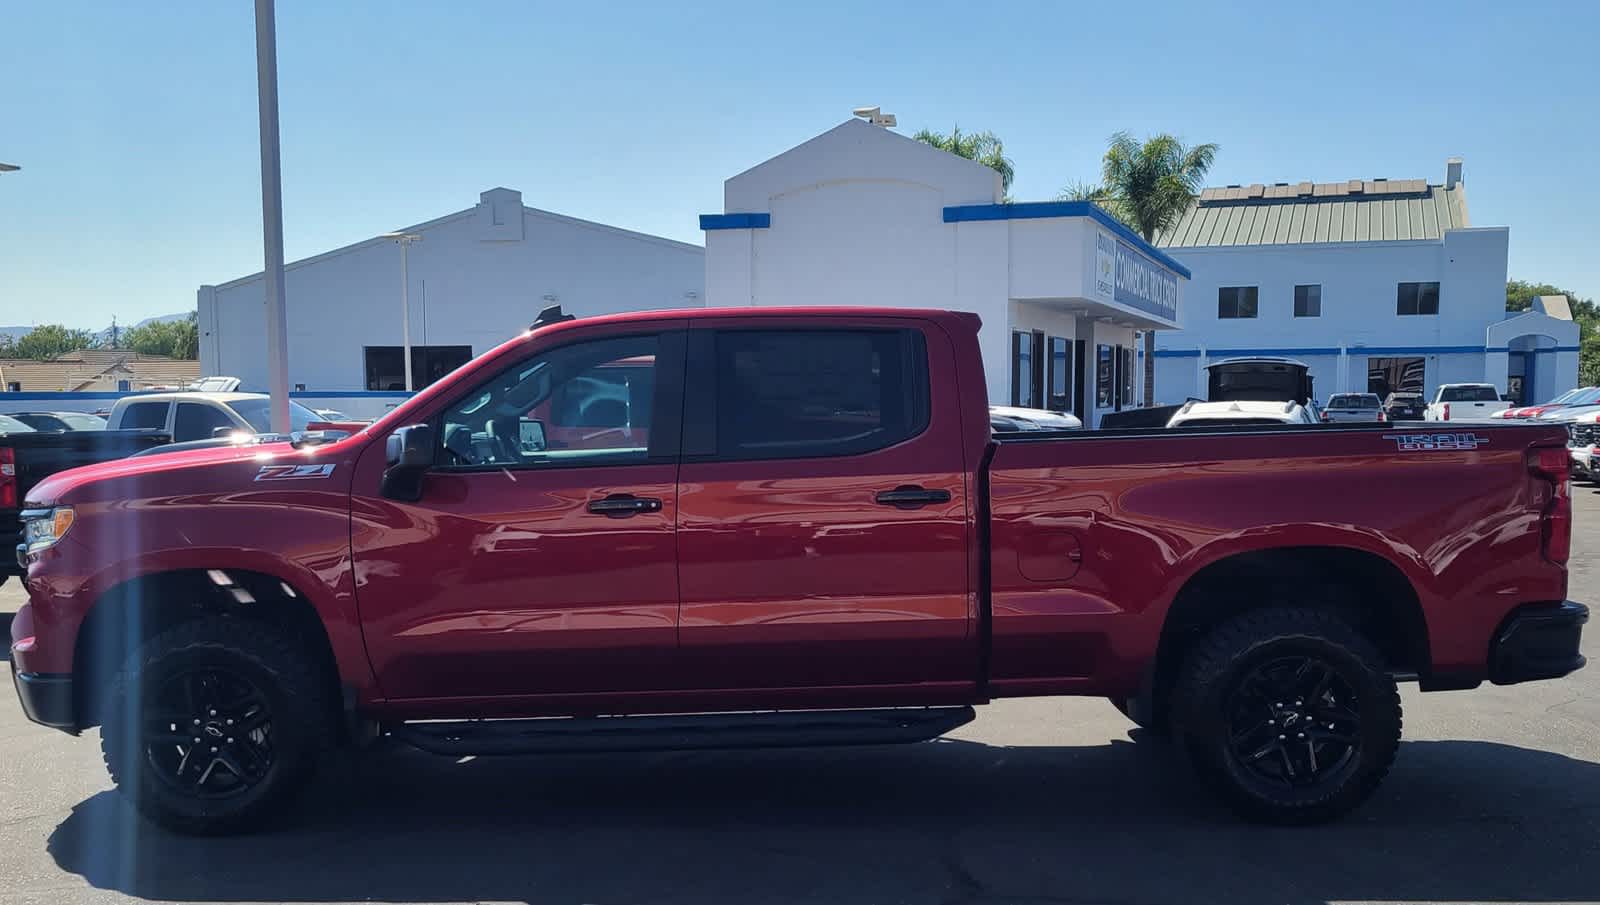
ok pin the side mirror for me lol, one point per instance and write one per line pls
(409, 454)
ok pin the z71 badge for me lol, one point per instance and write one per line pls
(293, 472)
(1435, 442)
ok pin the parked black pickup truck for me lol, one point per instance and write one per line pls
(28, 457)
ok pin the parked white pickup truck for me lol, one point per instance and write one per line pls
(1464, 402)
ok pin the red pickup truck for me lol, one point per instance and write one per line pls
(779, 527)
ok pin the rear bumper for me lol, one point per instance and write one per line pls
(46, 699)
(1538, 642)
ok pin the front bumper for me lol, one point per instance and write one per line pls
(1538, 642)
(46, 699)
(1583, 461)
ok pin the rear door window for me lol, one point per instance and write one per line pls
(807, 393)
(144, 416)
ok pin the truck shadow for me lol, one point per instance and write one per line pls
(945, 822)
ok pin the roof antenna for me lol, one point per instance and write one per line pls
(551, 315)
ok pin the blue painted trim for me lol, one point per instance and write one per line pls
(1351, 350)
(1535, 351)
(350, 394)
(36, 396)
(735, 221)
(1032, 210)
(1416, 350)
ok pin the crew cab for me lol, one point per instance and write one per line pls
(187, 416)
(1464, 402)
(778, 526)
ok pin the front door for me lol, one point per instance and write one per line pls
(823, 508)
(541, 558)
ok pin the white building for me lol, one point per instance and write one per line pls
(476, 278)
(861, 215)
(1378, 285)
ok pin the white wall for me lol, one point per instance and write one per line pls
(477, 278)
(1359, 283)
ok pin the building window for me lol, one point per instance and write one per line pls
(1395, 375)
(386, 368)
(1308, 301)
(1104, 376)
(1060, 374)
(1027, 369)
(13, 386)
(1417, 298)
(1236, 301)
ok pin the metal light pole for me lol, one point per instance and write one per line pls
(272, 215)
(404, 240)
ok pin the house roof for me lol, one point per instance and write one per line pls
(1357, 210)
(96, 369)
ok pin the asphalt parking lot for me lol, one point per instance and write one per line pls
(1496, 797)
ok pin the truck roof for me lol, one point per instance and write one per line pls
(659, 314)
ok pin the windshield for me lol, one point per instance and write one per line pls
(1469, 394)
(258, 413)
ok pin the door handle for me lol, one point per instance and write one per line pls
(910, 496)
(622, 505)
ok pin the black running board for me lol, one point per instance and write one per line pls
(772, 729)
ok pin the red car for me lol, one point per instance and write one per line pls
(778, 527)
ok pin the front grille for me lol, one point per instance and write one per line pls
(1583, 434)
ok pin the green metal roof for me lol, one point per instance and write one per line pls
(1372, 210)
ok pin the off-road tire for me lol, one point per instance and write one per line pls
(287, 679)
(1213, 675)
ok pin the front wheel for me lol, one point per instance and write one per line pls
(1290, 714)
(213, 725)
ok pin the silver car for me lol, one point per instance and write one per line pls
(1353, 407)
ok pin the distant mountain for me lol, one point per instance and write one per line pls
(105, 335)
(15, 333)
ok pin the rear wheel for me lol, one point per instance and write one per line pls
(1290, 714)
(212, 726)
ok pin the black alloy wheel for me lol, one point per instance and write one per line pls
(1293, 722)
(208, 733)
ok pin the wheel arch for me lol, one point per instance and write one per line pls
(133, 610)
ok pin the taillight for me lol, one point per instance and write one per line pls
(1382, 417)
(8, 478)
(1446, 414)
(1552, 464)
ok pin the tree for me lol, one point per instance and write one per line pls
(1519, 297)
(48, 341)
(174, 339)
(1149, 186)
(983, 147)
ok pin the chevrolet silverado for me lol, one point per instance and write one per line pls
(755, 527)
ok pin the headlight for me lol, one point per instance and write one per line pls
(42, 528)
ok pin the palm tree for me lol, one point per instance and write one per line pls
(983, 147)
(1148, 186)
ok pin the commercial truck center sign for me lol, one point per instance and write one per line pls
(1144, 284)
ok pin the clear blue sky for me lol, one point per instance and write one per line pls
(135, 124)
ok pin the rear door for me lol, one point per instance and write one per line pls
(822, 507)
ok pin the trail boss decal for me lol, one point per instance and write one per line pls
(1435, 442)
(293, 472)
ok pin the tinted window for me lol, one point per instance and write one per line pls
(144, 416)
(1237, 301)
(1417, 298)
(1468, 394)
(1308, 301)
(1353, 401)
(818, 392)
(41, 422)
(197, 421)
(585, 404)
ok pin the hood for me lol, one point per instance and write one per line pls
(166, 469)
